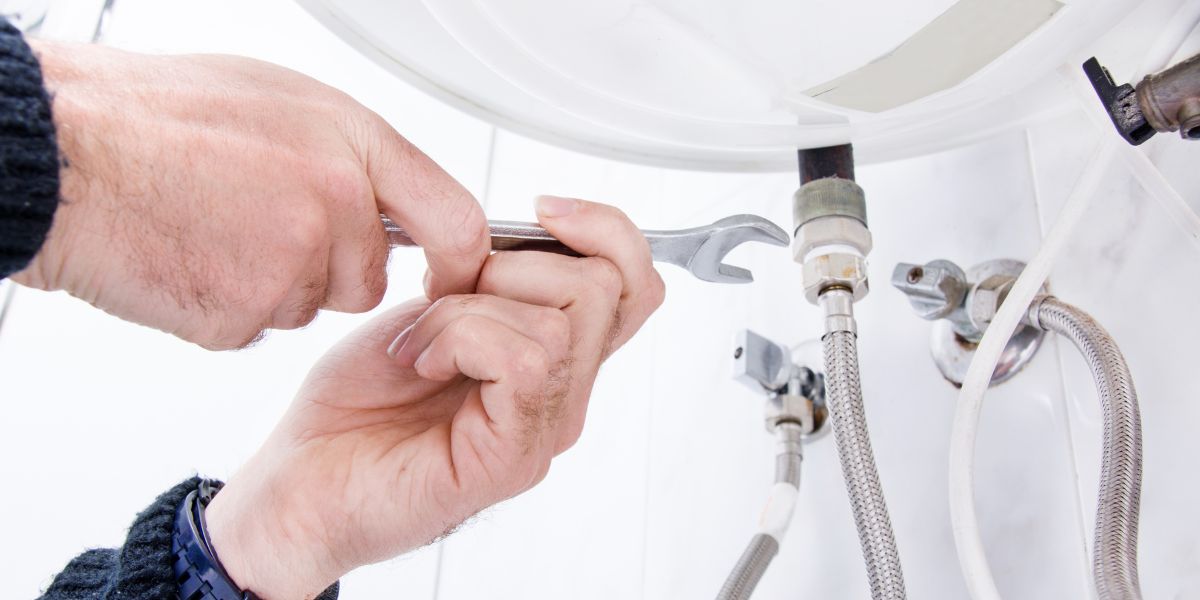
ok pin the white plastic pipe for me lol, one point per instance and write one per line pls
(965, 524)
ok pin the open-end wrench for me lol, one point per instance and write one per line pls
(700, 250)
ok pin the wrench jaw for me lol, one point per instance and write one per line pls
(725, 235)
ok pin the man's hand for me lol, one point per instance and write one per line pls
(383, 451)
(215, 196)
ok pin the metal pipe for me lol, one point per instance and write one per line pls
(830, 161)
(1170, 99)
(1114, 552)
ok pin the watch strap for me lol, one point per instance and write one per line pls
(197, 569)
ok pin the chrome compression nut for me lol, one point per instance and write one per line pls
(792, 408)
(985, 298)
(840, 270)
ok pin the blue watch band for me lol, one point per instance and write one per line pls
(197, 570)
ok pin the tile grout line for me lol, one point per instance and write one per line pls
(1063, 407)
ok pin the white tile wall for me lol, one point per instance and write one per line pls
(665, 486)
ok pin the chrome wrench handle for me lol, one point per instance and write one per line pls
(700, 250)
(506, 235)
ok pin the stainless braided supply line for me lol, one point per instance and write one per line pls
(763, 546)
(1114, 554)
(843, 394)
(750, 568)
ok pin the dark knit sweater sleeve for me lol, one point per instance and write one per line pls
(142, 569)
(28, 154)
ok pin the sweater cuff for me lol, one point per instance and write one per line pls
(29, 180)
(143, 569)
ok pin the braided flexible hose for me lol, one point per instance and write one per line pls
(1114, 553)
(843, 393)
(750, 568)
(764, 546)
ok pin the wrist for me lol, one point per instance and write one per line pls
(46, 270)
(262, 547)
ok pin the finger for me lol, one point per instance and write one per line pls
(586, 289)
(357, 275)
(309, 292)
(604, 231)
(589, 291)
(439, 214)
(519, 397)
(301, 304)
(548, 327)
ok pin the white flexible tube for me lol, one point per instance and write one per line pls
(965, 524)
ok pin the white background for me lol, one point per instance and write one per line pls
(663, 490)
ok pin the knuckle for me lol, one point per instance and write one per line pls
(272, 296)
(462, 329)
(604, 276)
(555, 326)
(345, 183)
(307, 231)
(452, 302)
(531, 362)
(656, 291)
(494, 269)
(570, 436)
(539, 475)
(371, 292)
(467, 230)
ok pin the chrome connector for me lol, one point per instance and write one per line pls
(962, 304)
(838, 306)
(795, 393)
(836, 270)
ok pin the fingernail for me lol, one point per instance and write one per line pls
(398, 343)
(553, 206)
(420, 360)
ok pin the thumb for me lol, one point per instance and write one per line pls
(437, 212)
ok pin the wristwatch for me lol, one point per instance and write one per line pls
(197, 570)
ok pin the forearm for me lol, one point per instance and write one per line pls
(29, 180)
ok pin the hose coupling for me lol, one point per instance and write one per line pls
(831, 237)
(838, 304)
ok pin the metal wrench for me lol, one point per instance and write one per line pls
(700, 250)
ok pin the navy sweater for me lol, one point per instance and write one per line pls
(28, 154)
(29, 194)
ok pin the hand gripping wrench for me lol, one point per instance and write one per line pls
(700, 250)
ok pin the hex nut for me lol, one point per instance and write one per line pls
(791, 408)
(832, 230)
(985, 299)
(835, 270)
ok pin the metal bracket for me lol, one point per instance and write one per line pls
(962, 304)
(795, 393)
